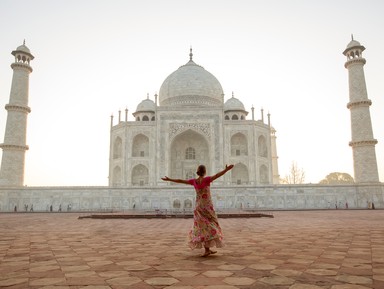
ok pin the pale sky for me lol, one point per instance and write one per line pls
(94, 57)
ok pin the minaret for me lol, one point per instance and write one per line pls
(362, 143)
(14, 146)
(275, 167)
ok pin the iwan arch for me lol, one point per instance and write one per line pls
(189, 123)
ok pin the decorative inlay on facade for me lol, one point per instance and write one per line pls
(244, 132)
(137, 162)
(191, 100)
(176, 128)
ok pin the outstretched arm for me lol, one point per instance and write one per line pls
(175, 180)
(219, 174)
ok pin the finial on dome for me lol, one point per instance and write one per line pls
(147, 95)
(352, 36)
(233, 95)
(24, 42)
(190, 54)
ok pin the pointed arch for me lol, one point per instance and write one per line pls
(176, 204)
(187, 204)
(140, 175)
(140, 146)
(240, 174)
(262, 145)
(239, 145)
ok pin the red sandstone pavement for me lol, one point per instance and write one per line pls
(335, 249)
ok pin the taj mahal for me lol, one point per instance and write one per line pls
(188, 124)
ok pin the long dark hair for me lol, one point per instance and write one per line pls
(201, 171)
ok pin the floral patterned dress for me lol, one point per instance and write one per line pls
(206, 231)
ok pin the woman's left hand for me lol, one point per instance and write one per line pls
(228, 167)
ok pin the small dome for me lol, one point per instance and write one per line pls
(353, 43)
(23, 48)
(146, 105)
(233, 104)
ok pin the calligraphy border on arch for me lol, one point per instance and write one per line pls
(177, 128)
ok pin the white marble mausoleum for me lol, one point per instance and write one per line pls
(189, 124)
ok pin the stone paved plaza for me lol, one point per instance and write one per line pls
(334, 249)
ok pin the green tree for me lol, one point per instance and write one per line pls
(337, 178)
(296, 175)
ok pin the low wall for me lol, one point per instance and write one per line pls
(175, 197)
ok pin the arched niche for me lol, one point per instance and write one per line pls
(140, 175)
(262, 145)
(117, 148)
(181, 152)
(239, 145)
(140, 146)
(240, 174)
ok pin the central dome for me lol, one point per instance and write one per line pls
(191, 85)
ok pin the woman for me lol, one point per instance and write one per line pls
(206, 231)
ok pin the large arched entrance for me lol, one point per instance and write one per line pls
(188, 150)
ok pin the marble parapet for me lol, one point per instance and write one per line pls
(175, 197)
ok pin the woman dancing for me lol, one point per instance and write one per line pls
(206, 231)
